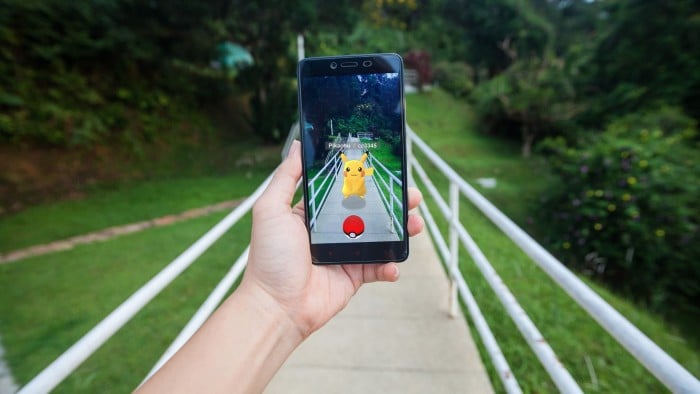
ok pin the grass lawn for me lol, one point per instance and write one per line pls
(37, 324)
(448, 126)
(110, 207)
(48, 302)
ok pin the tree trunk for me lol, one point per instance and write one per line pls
(528, 138)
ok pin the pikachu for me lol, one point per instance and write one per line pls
(354, 174)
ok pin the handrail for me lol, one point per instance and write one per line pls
(204, 311)
(313, 191)
(386, 170)
(658, 362)
(388, 201)
(564, 381)
(67, 362)
(504, 371)
(335, 163)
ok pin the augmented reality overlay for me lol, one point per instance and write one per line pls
(353, 151)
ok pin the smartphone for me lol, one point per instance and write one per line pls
(353, 137)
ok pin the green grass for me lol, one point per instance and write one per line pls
(109, 207)
(384, 154)
(38, 325)
(48, 302)
(448, 126)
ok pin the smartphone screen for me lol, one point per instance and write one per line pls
(352, 126)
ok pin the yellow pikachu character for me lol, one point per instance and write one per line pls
(354, 173)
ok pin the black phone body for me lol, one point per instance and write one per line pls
(353, 137)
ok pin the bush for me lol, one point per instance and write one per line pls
(626, 208)
(493, 118)
(455, 77)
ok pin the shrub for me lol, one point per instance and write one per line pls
(488, 106)
(455, 77)
(626, 208)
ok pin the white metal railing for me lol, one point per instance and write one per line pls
(329, 172)
(65, 364)
(204, 311)
(663, 366)
(389, 198)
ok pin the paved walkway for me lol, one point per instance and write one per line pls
(392, 338)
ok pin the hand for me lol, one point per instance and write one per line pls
(283, 299)
(280, 272)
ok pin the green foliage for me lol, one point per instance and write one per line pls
(641, 65)
(364, 38)
(485, 26)
(81, 73)
(455, 77)
(354, 104)
(626, 207)
(533, 93)
(488, 106)
(272, 113)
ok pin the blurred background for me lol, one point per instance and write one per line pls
(579, 119)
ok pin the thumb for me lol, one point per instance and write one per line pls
(280, 191)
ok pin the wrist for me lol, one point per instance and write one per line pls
(271, 310)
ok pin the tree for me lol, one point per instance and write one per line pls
(538, 95)
(535, 93)
(649, 56)
(483, 25)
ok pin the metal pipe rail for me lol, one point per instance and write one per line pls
(392, 197)
(658, 362)
(335, 164)
(561, 377)
(72, 358)
(504, 371)
(204, 311)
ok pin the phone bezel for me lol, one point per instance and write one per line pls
(356, 252)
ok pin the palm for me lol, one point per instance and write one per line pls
(313, 293)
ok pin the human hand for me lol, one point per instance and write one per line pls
(280, 273)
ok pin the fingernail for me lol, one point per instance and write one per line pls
(397, 273)
(294, 148)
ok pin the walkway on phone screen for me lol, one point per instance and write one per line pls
(392, 338)
(377, 220)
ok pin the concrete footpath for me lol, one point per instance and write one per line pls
(392, 338)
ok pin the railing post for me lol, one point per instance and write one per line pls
(454, 246)
(312, 205)
(391, 204)
(409, 156)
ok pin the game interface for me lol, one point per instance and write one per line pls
(353, 154)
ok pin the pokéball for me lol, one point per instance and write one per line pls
(353, 226)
